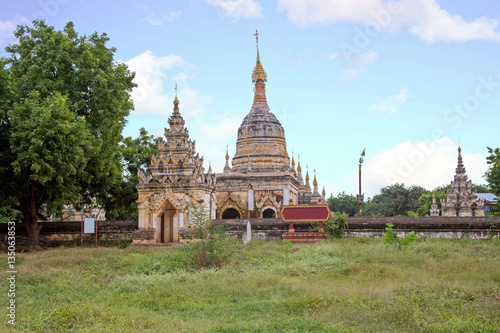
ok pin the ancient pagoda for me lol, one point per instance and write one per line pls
(461, 200)
(260, 180)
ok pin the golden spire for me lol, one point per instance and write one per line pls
(227, 153)
(258, 71)
(315, 182)
(176, 100)
(293, 161)
(209, 166)
(323, 193)
(299, 169)
(307, 174)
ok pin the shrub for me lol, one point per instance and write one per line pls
(214, 248)
(391, 237)
(337, 225)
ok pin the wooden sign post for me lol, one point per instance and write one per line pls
(305, 213)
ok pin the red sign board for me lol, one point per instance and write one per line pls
(305, 213)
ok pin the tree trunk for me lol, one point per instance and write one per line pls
(33, 230)
(30, 218)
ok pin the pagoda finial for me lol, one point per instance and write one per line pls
(315, 182)
(176, 100)
(227, 168)
(209, 166)
(293, 161)
(258, 71)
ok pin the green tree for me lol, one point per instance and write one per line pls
(61, 117)
(493, 174)
(343, 203)
(394, 200)
(134, 154)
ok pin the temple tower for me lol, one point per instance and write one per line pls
(175, 182)
(461, 200)
(260, 180)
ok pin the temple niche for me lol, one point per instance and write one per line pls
(461, 200)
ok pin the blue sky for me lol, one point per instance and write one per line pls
(406, 80)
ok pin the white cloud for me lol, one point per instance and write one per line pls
(153, 19)
(156, 77)
(7, 29)
(357, 65)
(234, 9)
(392, 103)
(424, 18)
(427, 164)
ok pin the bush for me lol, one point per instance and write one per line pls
(213, 247)
(391, 237)
(337, 225)
(217, 250)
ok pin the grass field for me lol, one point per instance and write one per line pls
(347, 285)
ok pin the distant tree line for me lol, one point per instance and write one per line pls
(395, 200)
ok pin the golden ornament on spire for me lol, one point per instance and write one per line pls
(315, 182)
(293, 161)
(227, 153)
(176, 100)
(258, 71)
(323, 193)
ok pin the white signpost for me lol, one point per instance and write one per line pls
(89, 226)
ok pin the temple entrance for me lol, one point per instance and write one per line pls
(166, 227)
(231, 213)
(268, 213)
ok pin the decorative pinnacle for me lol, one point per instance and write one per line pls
(293, 161)
(227, 153)
(176, 100)
(323, 193)
(258, 71)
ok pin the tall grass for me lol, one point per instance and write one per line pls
(347, 285)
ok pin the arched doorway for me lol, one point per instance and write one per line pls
(166, 229)
(231, 213)
(268, 213)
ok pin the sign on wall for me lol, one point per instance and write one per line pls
(88, 225)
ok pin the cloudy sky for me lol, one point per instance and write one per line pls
(408, 80)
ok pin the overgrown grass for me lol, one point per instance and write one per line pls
(347, 285)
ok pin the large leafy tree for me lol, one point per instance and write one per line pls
(63, 107)
(394, 200)
(493, 174)
(344, 203)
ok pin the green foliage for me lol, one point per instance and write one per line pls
(344, 203)
(394, 200)
(493, 174)
(425, 200)
(134, 154)
(337, 225)
(63, 105)
(123, 243)
(213, 247)
(492, 231)
(392, 238)
(215, 251)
